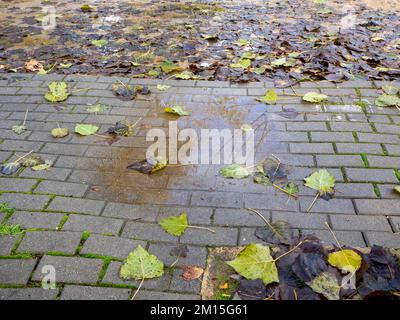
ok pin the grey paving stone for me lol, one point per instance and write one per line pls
(64, 149)
(92, 207)
(28, 294)
(110, 246)
(62, 188)
(306, 126)
(78, 222)
(311, 148)
(359, 148)
(387, 128)
(212, 199)
(371, 175)
(155, 295)
(6, 245)
(354, 190)
(221, 237)
(195, 256)
(13, 184)
(16, 271)
(350, 126)
(130, 212)
(70, 269)
(238, 217)
(46, 241)
(36, 220)
(378, 138)
(349, 238)
(112, 276)
(24, 201)
(180, 285)
(301, 220)
(270, 202)
(51, 174)
(360, 223)
(387, 191)
(339, 161)
(384, 239)
(384, 162)
(162, 197)
(378, 206)
(394, 150)
(332, 136)
(395, 221)
(74, 292)
(146, 231)
(332, 206)
(20, 146)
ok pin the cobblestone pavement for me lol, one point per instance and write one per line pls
(86, 213)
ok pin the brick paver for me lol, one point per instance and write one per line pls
(88, 189)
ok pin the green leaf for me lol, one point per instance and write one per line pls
(278, 62)
(97, 108)
(32, 161)
(241, 64)
(346, 260)
(141, 265)
(392, 90)
(163, 87)
(315, 97)
(234, 171)
(58, 92)
(175, 225)
(177, 110)
(186, 75)
(86, 129)
(246, 127)
(397, 189)
(87, 8)
(322, 181)
(149, 165)
(45, 166)
(65, 65)
(260, 70)
(249, 55)
(292, 188)
(154, 73)
(327, 285)
(256, 262)
(212, 36)
(19, 129)
(168, 67)
(270, 97)
(59, 132)
(99, 43)
(387, 100)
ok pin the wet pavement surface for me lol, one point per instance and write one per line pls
(287, 41)
(88, 211)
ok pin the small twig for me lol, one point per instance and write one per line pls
(285, 191)
(24, 156)
(26, 116)
(125, 86)
(261, 216)
(202, 228)
(290, 251)
(175, 262)
(312, 203)
(141, 282)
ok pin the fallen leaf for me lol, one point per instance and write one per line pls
(97, 108)
(33, 65)
(45, 166)
(387, 100)
(86, 129)
(123, 129)
(59, 132)
(322, 181)
(149, 165)
(277, 232)
(256, 262)
(315, 97)
(327, 285)
(141, 265)
(99, 43)
(270, 97)
(191, 272)
(58, 92)
(180, 251)
(19, 129)
(9, 168)
(397, 189)
(163, 87)
(391, 90)
(346, 260)
(241, 64)
(174, 225)
(234, 171)
(177, 110)
(32, 161)
(246, 127)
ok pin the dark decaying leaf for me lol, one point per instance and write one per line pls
(287, 292)
(149, 165)
(10, 168)
(252, 289)
(308, 266)
(32, 161)
(124, 92)
(180, 251)
(277, 232)
(121, 128)
(288, 113)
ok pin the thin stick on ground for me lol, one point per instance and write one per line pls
(201, 228)
(261, 216)
(313, 202)
(290, 251)
(24, 156)
(285, 191)
(141, 282)
(26, 116)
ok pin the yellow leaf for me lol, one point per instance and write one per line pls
(346, 260)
